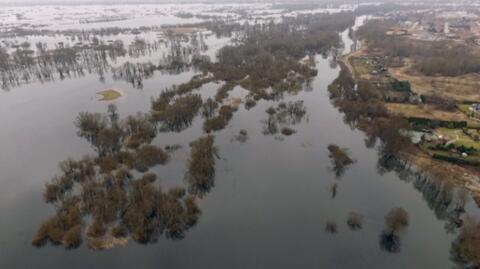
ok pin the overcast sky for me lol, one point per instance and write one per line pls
(12, 2)
(118, 1)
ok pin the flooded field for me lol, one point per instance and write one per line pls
(293, 185)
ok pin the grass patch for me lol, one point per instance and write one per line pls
(460, 88)
(458, 137)
(362, 67)
(109, 95)
(424, 111)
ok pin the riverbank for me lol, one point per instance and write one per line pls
(367, 76)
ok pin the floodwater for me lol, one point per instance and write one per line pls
(271, 198)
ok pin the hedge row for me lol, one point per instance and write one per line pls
(415, 121)
(456, 160)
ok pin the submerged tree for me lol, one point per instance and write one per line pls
(331, 227)
(177, 114)
(201, 165)
(395, 222)
(334, 190)
(283, 116)
(466, 247)
(355, 221)
(242, 136)
(340, 159)
(219, 122)
(100, 199)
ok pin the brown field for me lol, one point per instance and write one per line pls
(425, 111)
(464, 88)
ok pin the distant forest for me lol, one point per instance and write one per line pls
(275, 2)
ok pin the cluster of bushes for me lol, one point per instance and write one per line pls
(354, 222)
(118, 205)
(250, 103)
(255, 68)
(219, 122)
(177, 114)
(268, 55)
(339, 158)
(284, 115)
(242, 136)
(424, 122)
(331, 227)
(440, 102)
(104, 190)
(134, 73)
(456, 159)
(222, 92)
(452, 147)
(401, 86)
(208, 108)
(291, 113)
(396, 221)
(201, 165)
(108, 135)
(65, 228)
(467, 244)
(287, 131)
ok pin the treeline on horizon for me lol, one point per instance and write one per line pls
(278, 3)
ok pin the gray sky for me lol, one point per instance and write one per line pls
(117, 1)
(13, 2)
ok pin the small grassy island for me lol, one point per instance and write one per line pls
(109, 95)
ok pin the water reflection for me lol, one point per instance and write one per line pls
(396, 221)
(339, 159)
(448, 203)
(389, 242)
(355, 221)
(201, 166)
(283, 117)
(95, 56)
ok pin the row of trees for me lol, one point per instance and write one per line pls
(364, 108)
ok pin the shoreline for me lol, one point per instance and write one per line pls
(467, 177)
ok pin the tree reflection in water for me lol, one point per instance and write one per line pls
(25, 65)
(104, 195)
(448, 203)
(390, 242)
